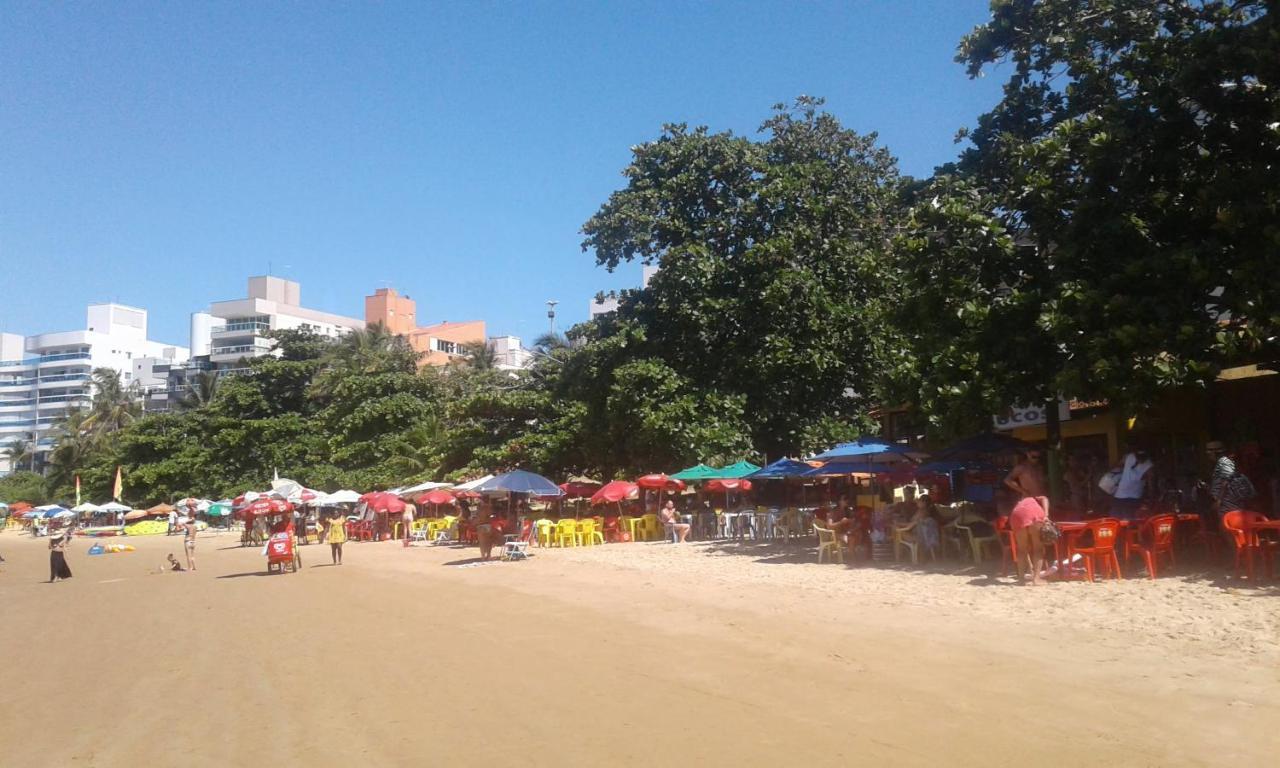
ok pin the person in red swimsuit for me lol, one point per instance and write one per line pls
(1026, 519)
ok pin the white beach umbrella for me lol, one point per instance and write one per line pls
(114, 506)
(341, 497)
(474, 484)
(86, 508)
(421, 488)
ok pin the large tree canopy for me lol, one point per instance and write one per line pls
(771, 256)
(1137, 148)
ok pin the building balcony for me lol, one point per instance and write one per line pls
(258, 348)
(62, 358)
(10, 385)
(7, 405)
(246, 328)
(225, 372)
(61, 379)
(27, 363)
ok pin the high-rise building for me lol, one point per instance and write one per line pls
(238, 329)
(439, 343)
(44, 376)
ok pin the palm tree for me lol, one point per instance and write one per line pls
(22, 449)
(479, 356)
(418, 451)
(548, 343)
(365, 351)
(74, 444)
(200, 391)
(115, 405)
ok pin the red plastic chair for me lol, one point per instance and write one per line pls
(1104, 533)
(612, 528)
(1008, 544)
(1249, 543)
(1154, 538)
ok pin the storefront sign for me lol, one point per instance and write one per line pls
(1029, 416)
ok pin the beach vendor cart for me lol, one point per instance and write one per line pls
(281, 546)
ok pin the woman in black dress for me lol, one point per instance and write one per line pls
(58, 568)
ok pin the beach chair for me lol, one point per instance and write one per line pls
(589, 531)
(1153, 539)
(1247, 542)
(544, 532)
(828, 545)
(567, 533)
(1008, 545)
(1102, 551)
(649, 527)
(901, 541)
(969, 529)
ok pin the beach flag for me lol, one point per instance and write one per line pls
(77, 490)
(275, 475)
(119, 486)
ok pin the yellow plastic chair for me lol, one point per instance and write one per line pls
(828, 545)
(901, 541)
(588, 533)
(546, 531)
(597, 530)
(651, 528)
(567, 531)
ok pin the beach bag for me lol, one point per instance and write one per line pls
(1049, 533)
(1109, 482)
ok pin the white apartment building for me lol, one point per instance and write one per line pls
(44, 376)
(234, 331)
(509, 354)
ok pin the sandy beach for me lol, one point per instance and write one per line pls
(635, 654)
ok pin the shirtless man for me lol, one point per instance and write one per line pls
(190, 541)
(1028, 478)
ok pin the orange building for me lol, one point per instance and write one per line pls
(396, 313)
(439, 343)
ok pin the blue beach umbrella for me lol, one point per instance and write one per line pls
(520, 481)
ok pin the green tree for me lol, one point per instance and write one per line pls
(199, 391)
(772, 258)
(21, 450)
(479, 356)
(1136, 150)
(115, 406)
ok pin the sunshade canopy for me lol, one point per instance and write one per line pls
(720, 485)
(660, 482)
(736, 470)
(696, 473)
(614, 492)
(340, 497)
(438, 496)
(473, 484)
(114, 506)
(86, 508)
(782, 469)
(421, 487)
(520, 481)
(383, 501)
(870, 450)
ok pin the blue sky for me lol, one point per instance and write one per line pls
(157, 154)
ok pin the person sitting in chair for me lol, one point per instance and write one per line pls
(668, 517)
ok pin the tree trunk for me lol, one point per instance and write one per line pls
(1053, 458)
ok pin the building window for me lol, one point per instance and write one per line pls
(448, 347)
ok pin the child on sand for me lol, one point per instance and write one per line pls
(174, 565)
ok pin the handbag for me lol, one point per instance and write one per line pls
(1109, 482)
(1050, 532)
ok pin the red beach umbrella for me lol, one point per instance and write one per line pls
(266, 505)
(614, 492)
(660, 482)
(720, 485)
(383, 502)
(436, 497)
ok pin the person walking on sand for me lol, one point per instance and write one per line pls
(190, 541)
(335, 533)
(1026, 520)
(1028, 478)
(58, 568)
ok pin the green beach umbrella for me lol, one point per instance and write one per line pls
(736, 470)
(696, 473)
